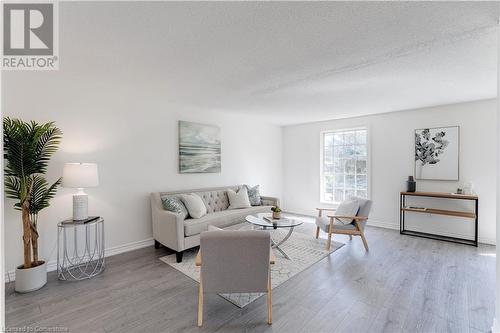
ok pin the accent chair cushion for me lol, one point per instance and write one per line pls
(238, 199)
(174, 204)
(195, 206)
(254, 195)
(365, 206)
(347, 208)
(324, 223)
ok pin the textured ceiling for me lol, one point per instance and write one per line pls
(289, 61)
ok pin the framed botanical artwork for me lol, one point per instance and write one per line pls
(437, 153)
(199, 148)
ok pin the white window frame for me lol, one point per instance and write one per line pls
(368, 161)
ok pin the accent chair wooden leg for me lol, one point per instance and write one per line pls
(329, 242)
(178, 256)
(317, 232)
(350, 237)
(200, 303)
(365, 243)
(269, 300)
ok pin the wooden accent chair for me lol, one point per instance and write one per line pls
(235, 262)
(331, 224)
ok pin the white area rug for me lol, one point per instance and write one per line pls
(303, 250)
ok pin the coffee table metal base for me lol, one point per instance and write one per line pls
(276, 245)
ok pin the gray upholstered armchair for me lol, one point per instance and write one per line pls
(235, 262)
(331, 224)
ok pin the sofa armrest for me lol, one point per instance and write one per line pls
(269, 201)
(168, 227)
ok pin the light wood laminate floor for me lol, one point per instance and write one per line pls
(403, 284)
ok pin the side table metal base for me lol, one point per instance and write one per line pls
(76, 261)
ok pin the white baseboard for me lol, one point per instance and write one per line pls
(52, 265)
(395, 226)
(382, 224)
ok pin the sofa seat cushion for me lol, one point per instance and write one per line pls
(221, 219)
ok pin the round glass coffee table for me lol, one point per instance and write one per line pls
(260, 220)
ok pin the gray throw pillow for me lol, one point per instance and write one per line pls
(254, 195)
(174, 204)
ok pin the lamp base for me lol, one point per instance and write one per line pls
(80, 206)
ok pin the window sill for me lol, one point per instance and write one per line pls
(330, 203)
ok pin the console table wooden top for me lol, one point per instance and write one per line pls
(443, 195)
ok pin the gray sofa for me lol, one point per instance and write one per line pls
(179, 234)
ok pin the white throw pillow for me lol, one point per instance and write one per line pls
(238, 200)
(347, 208)
(195, 206)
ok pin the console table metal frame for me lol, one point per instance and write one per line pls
(471, 215)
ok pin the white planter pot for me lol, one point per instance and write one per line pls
(31, 279)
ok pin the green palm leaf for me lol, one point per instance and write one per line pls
(41, 193)
(28, 147)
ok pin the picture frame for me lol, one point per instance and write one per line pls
(199, 148)
(437, 153)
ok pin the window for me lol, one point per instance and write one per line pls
(344, 165)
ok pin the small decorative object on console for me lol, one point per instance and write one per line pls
(411, 184)
(468, 188)
(276, 212)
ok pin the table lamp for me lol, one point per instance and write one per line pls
(80, 176)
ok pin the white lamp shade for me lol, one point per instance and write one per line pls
(80, 175)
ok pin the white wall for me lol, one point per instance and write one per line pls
(392, 139)
(131, 132)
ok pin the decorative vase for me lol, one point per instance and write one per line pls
(468, 188)
(31, 279)
(411, 184)
(276, 215)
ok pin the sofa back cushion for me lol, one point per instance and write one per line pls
(215, 199)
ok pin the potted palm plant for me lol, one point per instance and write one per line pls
(28, 147)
